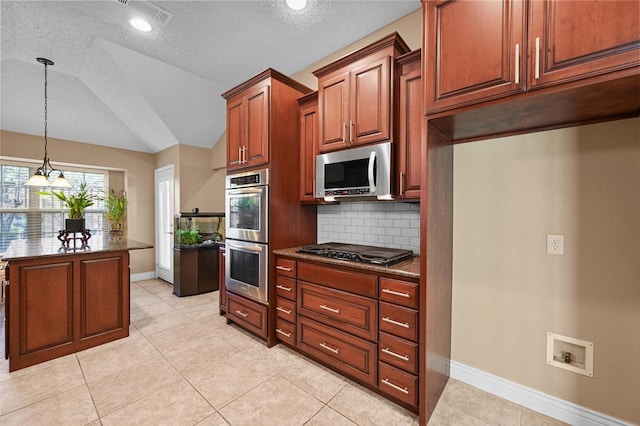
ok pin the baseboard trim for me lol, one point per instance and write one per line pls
(551, 406)
(142, 276)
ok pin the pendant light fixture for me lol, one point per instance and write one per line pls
(42, 174)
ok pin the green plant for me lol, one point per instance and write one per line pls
(188, 238)
(116, 206)
(75, 203)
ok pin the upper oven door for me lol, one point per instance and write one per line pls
(247, 214)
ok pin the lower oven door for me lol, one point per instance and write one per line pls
(247, 269)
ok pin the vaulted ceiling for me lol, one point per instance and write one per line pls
(113, 85)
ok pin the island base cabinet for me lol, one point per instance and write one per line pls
(66, 304)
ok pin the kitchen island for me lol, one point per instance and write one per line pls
(63, 300)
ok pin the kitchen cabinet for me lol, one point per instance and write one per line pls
(399, 336)
(570, 40)
(358, 322)
(286, 301)
(257, 110)
(480, 51)
(308, 113)
(247, 313)
(410, 113)
(356, 96)
(222, 279)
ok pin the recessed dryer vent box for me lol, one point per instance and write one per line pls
(571, 354)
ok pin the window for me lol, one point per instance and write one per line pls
(24, 213)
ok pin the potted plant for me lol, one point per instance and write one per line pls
(75, 204)
(116, 205)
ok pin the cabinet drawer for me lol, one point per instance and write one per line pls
(354, 282)
(345, 311)
(349, 354)
(397, 383)
(285, 287)
(403, 293)
(399, 321)
(286, 309)
(286, 267)
(251, 315)
(285, 331)
(398, 352)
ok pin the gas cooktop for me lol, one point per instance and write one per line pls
(357, 253)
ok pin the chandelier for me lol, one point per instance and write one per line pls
(42, 174)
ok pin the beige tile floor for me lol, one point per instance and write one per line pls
(182, 365)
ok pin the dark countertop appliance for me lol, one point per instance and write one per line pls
(383, 256)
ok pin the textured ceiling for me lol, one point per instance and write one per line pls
(112, 85)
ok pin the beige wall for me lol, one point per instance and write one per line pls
(583, 182)
(200, 186)
(138, 168)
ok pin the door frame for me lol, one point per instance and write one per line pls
(163, 273)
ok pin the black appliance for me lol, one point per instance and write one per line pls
(382, 256)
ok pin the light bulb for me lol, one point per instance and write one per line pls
(297, 4)
(140, 24)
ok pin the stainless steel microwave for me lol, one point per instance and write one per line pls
(355, 173)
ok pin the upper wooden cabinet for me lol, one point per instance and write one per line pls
(474, 51)
(570, 40)
(308, 115)
(478, 51)
(356, 96)
(256, 110)
(410, 113)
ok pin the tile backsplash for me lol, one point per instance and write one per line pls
(383, 224)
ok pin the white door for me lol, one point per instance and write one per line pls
(164, 223)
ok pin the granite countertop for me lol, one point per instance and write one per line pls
(46, 247)
(409, 268)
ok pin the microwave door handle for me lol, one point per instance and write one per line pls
(372, 164)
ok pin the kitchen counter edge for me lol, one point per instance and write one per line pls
(49, 247)
(408, 268)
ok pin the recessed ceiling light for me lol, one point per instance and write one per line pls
(296, 4)
(140, 24)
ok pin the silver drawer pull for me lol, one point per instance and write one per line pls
(239, 312)
(326, 308)
(282, 268)
(286, 311)
(402, 357)
(281, 287)
(400, 324)
(284, 333)
(329, 348)
(395, 293)
(396, 387)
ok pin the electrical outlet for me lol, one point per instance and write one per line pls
(555, 244)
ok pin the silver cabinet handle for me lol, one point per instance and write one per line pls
(284, 333)
(281, 309)
(344, 132)
(517, 67)
(282, 268)
(281, 287)
(396, 293)
(326, 308)
(401, 324)
(390, 352)
(537, 58)
(350, 132)
(239, 312)
(396, 387)
(329, 348)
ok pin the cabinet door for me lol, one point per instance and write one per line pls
(370, 95)
(103, 298)
(474, 51)
(333, 111)
(235, 131)
(257, 141)
(569, 40)
(410, 131)
(308, 140)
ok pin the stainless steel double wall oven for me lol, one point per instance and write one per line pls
(247, 234)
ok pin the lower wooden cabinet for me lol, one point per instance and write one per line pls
(249, 314)
(347, 353)
(398, 384)
(398, 352)
(286, 331)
